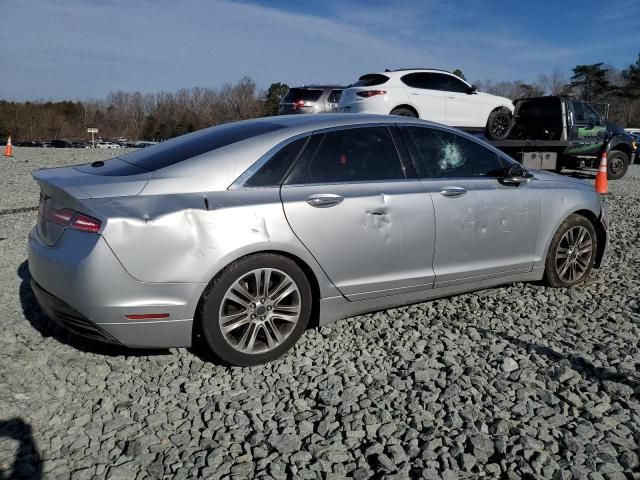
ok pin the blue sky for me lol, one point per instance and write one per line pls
(81, 49)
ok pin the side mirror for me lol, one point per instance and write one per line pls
(472, 89)
(515, 175)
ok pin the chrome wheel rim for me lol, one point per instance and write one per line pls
(260, 310)
(573, 254)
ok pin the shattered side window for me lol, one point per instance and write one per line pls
(443, 154)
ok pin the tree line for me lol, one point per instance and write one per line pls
(158, 116)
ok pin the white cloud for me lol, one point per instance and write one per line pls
(79, 49)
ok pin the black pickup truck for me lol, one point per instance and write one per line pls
(554, 132)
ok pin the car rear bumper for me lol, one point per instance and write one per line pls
(81, 285)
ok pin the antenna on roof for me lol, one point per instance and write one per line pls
(387, 70)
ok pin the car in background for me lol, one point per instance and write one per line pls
(554, 132)
(242, 233)
(46, 145)
(29, 143)
(311, 99)
(636, 140)
(60, 144)
(81, 144)
(107, 145)
(430, 94)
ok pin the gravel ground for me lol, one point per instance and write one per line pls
(517, 382)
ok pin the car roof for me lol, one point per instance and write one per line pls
(235, 159)
(309, 122)
(318, 86)
(419, 70)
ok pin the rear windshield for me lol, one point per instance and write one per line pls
(193, 144)
(370, 80)
(306, 94)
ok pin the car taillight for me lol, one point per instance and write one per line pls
(78, 221)
(298, 103)
(60, 217)
(371, 93)
(86, 223)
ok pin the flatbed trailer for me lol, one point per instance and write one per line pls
(553, 133)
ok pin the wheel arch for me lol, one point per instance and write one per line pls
(601, 233)
(408, 107)
(497, 108)
(304, 266)
(624, 148)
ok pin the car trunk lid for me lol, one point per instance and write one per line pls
(63, 189)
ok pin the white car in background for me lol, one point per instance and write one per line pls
(107, 145)
(435, 95)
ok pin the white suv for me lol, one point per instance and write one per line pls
(434, 95)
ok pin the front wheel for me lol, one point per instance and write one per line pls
(499, 124)
(256, 309)
(572, 252)
(617, 164)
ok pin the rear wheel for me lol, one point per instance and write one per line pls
(499, 124)
(404, 112)
(617, 164)
(572, 252)
(256, 309)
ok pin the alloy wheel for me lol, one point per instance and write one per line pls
(573, 255)
(500, 125)
(260, 310)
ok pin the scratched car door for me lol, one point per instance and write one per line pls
(484, 228)
(350, 202)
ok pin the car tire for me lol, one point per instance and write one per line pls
(572, 252)
(617, 164)
(499, 124)
(404, 112)
(259, 321)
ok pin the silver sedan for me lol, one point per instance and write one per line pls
(246, 233)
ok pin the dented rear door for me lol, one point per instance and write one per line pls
(369, 227)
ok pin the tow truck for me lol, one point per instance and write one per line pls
(558, 132)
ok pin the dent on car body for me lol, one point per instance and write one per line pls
(176, 238)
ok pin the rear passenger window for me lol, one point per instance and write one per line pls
(352, 155)
(272, 172)
(441, 154)
(422, 80)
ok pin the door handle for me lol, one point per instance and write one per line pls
(453, 191)
(324, 200)
(452, 98)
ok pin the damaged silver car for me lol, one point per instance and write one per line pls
(246, 233)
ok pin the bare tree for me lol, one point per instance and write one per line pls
(554, 83)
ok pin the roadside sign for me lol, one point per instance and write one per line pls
(92, 131)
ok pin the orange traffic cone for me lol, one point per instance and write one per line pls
(601, 176)
(8, 150)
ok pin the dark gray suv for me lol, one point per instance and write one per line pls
(311, 99)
